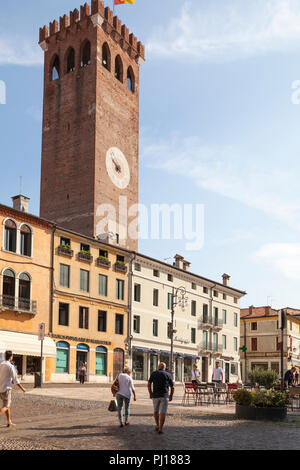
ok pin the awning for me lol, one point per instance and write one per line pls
(26, 344)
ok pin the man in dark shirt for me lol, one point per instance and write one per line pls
(161, 381)
(289, 377)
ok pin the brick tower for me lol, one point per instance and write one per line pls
(90, 140)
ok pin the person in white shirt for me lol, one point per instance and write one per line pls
(217, 374)
(195, 374)
(8, 378)
(126, 386)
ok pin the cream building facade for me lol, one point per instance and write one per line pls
(206, 331)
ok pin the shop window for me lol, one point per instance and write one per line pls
(101, 361)
(62, 357)
(118, 362)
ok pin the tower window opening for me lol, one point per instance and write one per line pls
(106, 56)
(130, 80)
(86, 54)
(71, 61)
(55, 75)
(119, 69)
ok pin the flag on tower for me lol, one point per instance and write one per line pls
(122, 2)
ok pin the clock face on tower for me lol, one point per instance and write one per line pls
(117, 168)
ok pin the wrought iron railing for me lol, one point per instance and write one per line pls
(18, 304)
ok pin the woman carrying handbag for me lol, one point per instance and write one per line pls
(122, 387)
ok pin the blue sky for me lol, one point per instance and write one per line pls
(218, 128)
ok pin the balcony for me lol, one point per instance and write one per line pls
(217, 324)
(217, 349)
(65, 251)
(120, 268)
(84, 256)
(103, 262)
(205, 322)
(205, 347)
(18, 305)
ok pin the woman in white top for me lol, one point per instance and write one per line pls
(124, 395)
(195, 374)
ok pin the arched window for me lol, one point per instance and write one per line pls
(106, 61)
(119, 69)
(24, 291)
(8, 288)
(101, 360)
(62, 357)
(10, 236)
(86, 54)
(70, 61)
(55, 69)
(130, 80)
(26, 239)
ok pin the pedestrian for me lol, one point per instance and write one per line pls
(296, 377)
(161, 381)
(217, 375)
(195, 375)
(126, 386)
(8, 378)
(82, 373)
(289, 377)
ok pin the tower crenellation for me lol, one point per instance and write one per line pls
(111, 25)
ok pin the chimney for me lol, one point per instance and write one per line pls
(226, 278)
(268, 310)
(186, 265)
(178, 261)
(21, 203)
(251, 309)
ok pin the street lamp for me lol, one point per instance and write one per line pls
(180, 298)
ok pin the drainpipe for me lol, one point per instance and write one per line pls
(211, 314)
(130, 281)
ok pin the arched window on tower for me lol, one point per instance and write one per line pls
(106, 56)
(10, 236)
(70, 60)
(86, 54)
(119, 69)
(55, 72)
(130, 80)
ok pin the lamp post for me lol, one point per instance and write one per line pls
(178, 298)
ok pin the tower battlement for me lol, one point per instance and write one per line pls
(98, 15)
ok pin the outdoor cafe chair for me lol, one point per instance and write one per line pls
(220, 393)
(231, 388)
(190, 393)
(204, 395)
(294, 398)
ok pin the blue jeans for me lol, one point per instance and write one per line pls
(123, 401)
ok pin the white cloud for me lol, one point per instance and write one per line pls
(225, 31)
(249, 179)
(284, 257)
(19, 51)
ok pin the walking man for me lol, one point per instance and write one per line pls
(8, 377)
(289, 377)
(217, 376)
(161, 381)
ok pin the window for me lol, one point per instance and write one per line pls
(193, 308)
(102, 316)
(10, 236)
(137, 267)
(224, 341)
(194, 287)
(55, 72)
(224, 317)
(137, 292)
(216, 294)
(120, 289)
(155, 297)
(103, 284)
(193, 335)
(101, 360)
(278, 344)
(106, 57)
(155, 272)
(235, 319)
(169, 330)
(235, 300)
(8, 289)
(130, 80)
(234, 368)
(84, 280)
(205, 339)
(63, 314)
(136, 324)
(121, 259)
(65, 242)
(62, 357)
(215, 341)
(119, 324)
(70, 61)
(224, 297)
(254, 344)
(86, 54)
(24, 291)
(205, 312)
(205, 290)
(235, 344)
(253, 326)
(26, 237)
(155, 328)
(103, 254)
(64, 277)
(216, 316)
(84, 318)
(170, 278)
(85, 248)
(119, 69)
(170, 301)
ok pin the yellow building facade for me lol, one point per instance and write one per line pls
(89, 318)
(25, 277)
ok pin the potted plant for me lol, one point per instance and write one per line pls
(261, 404)
(85, 255)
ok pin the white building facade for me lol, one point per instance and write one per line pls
(206, 331)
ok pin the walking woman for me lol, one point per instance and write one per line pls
(124, 395)
(82, 373)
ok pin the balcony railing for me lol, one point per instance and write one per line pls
(85, 257)
(217, 348)
(217, 324)
(63, 250)
(8, 302)
(121, 268)
(103, 262)
(205, 321)
(210, 346)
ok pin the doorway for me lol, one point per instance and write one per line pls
(227, 372)
(204, 377)
(81, 356)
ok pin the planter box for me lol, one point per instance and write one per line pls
(121, 268)
(256, 413)
(103, 262)
(65, 251)
(85, 257)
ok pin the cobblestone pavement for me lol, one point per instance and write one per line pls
(62, 422)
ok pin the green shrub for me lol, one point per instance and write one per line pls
(261, 398)
(261, 377)
(243, 397)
